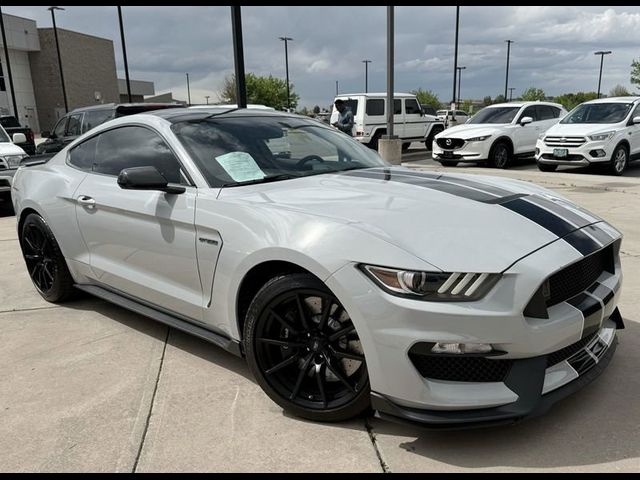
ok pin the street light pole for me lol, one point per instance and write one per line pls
(6, 56)
(124, 54)
(207, 98)
(55, 33)
(188, 92)
(506, 81)
(286, 65)
(455, 66)
(460, 81)
(336, 88)
(238, 55)
(366, 75)
(602, 54)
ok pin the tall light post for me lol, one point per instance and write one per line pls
(511, 89)
(207, 98)
(188, 92)
(124, 54)
(602, 54)
(55, 33)
(506, 80)
(286, 66)
(366, 75)
(336, 88)
(6, 56)
(455, 66)
(238, 55)
(460, 81)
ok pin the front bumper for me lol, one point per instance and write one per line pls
(469, 152)
(6, 179)
(580, 156)
(528, 378)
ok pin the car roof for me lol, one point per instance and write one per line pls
(125, 106)
(615, 100)
(351, 95)
(524, 104)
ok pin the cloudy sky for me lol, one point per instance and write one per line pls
(553, 50)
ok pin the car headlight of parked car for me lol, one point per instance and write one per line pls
(432, 286)
(479, 139)
(601, 137)
(13, 161)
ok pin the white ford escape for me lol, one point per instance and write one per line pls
(601, 132)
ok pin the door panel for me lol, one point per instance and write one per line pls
(414, 121)
(526, 136)
(142, 243)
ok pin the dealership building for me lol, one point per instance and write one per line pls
(88, 65)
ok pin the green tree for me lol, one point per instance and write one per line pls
(467, 106)
(487, 101)
(532, 94)
(304, 111)
(316, 109)
(500, 99)
(572, 100)
(635, 72)
(269, 91)
(427, 97)
(619, 91)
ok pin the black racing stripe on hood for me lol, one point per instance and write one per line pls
(457, 190)
(582, 242)
(560, 211)
(539, 215)
(599, 234)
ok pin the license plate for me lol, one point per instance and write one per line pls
(447, 154)
(560, 152)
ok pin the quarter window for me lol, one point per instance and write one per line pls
(375, 107)
(83, 156)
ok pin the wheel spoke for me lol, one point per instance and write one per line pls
(341, 333)
(29, 243)
(45, 269)
(301, 375)
(327, 303)
(339, 376)
(281, 343)
(350, 356)
(302, 313)
(32, 258)
(320, 379)
(284, 363)
(283, 321)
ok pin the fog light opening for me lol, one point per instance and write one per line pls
(461, 348)
(599, 153)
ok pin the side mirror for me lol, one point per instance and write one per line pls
(636, 120)
(45, 134)
(19, 138)
(525, 121)
(146, 178)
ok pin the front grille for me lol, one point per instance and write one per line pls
(566, 142)
(4, 183)
(570, 158)
(579, 276)
(450, 143)
(561, 355)
(461, 369)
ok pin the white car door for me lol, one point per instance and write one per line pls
(525, 136)
(413, 119)
(141, 243)
(634, 134)
(398, 118)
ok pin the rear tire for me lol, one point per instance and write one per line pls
(547, 168)
(373, 144)
(46, 265)
(405, 147)
(500, 155)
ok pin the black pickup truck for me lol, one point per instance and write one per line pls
(11, 126)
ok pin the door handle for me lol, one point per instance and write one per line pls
(86, 201)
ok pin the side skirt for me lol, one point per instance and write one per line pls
(228, 344)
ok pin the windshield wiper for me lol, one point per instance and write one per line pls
(267, 179)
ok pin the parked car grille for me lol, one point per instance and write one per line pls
(579, 276)
(561, 355)
(569, 158)
(450, 143)
(564, 141)
(461, 369)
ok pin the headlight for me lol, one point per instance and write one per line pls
(478, 139)
(601, 137)
(13, 161)
(432, 286)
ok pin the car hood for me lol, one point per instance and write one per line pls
(459, 223)
(580, 129)
(469, 131)
(8, 148)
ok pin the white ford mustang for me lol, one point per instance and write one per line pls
(442, 299)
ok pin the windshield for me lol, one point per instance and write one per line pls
(4, 138)
(233, 151)
(495, 115)
(598, 113)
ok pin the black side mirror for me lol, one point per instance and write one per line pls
(45, 134)
(146, 178)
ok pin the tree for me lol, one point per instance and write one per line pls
(268, 91)
(619, 91)
(467, 105)
(316, 109)
(500, 99)
(427, 97)
(532, 94)
(635, 72)
(487, 101)
(304, 111)
(572, 100)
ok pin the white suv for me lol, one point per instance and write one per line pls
(497, 134)
(600, 132)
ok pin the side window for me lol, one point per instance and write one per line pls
(83, 156)
(96, 117)
(460, 112)
(545, 112)
(530, 112)
(73, 126)
(58, 130)
(411, 107)
(636, 113)
(397, 106)
(352, 104)
(375, 107)
(129, 147)
(556, 112)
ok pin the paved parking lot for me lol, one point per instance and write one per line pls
(91, 387)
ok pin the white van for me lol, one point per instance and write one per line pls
(370, 121)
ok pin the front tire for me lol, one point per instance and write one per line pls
(500, 155)
(45, 263)
(304, 352)
(619, 161)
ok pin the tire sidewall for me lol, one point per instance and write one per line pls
(612, 167)
(493, 152)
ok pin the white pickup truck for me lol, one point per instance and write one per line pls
(10, 157)
(410, 123)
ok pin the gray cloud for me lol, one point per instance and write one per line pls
(553, 47)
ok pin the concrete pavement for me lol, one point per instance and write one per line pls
(88, 386)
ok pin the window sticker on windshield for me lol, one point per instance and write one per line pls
(240, 166)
